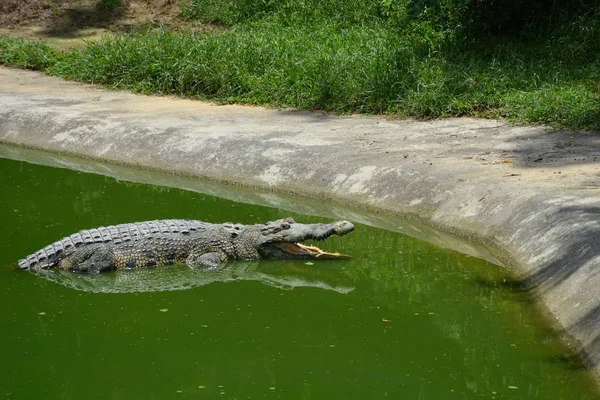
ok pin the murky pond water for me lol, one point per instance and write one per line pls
(402, 319)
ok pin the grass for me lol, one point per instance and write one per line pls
(26, 54)
(351, 56)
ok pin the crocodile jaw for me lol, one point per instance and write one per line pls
(286, 250)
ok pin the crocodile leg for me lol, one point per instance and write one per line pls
(206, 260)
(94, 259)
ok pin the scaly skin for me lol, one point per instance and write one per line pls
(195, 243)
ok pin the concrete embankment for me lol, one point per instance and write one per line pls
(532, 196)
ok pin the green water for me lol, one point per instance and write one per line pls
(402, 319)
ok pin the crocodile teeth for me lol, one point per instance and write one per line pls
(300, 249)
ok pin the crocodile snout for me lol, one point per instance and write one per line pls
(343, 227)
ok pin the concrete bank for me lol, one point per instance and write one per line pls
(532, 196)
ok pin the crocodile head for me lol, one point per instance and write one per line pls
(281, 239)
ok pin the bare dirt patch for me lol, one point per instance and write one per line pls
(70, 23)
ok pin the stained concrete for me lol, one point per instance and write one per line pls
(530, 195)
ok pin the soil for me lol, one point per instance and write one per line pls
(70, 23)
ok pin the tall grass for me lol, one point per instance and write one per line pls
(285, 12)
(328, 68)
(26, 54)
(356, 56)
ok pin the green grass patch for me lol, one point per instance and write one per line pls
(26, 54)
(286, 12)
(112, 6)
(352, 56)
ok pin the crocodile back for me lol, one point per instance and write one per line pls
(51, 255)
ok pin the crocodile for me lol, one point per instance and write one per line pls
(194, 243)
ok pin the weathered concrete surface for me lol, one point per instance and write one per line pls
(531, 195)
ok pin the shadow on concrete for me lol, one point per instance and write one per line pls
(545, 149)
(585, 248)
(589, 323)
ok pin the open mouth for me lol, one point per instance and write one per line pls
(297, 250)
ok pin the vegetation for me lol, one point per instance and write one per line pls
(529, 61)
(26, 54)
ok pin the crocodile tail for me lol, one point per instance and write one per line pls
(51, 255)
(47, 257)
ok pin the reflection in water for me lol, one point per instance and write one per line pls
(415, 321)
(181, 277)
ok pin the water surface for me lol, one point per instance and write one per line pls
(402, 319)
